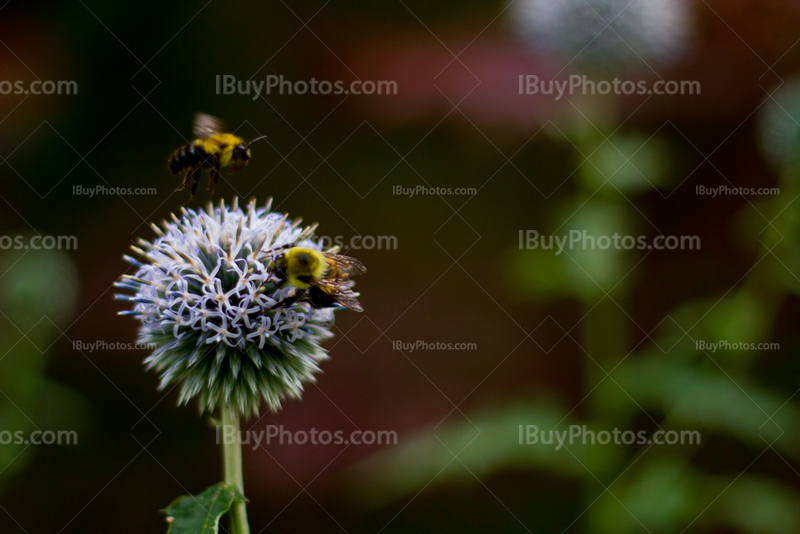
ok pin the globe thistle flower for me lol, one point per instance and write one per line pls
(778, 128)
(204, 298)
(606, 35)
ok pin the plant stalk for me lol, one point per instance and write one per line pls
(232, 466)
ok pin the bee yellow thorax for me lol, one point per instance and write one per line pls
(304, 264)
(222, 145)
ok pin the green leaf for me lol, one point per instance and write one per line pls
(710, 400)
(754, 504)
(200, 514)
(633, 164)
(538, 274)
(661, 492)
(590, 260)
(739, 318)
(491, 440)
(665, 493)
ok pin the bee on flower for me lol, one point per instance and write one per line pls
(229, 322)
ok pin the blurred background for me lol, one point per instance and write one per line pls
(609, 339)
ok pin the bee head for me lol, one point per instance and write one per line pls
(241, 155)
(305, 261)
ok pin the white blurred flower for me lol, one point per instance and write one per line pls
(779, 127)
(606, 35)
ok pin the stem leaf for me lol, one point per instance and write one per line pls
(200, 514)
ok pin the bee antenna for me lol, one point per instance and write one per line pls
(257, 139)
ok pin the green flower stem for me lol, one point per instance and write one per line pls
(232, 465)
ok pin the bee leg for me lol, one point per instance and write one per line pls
(186, 178)
(288, 301)
(196, 174)
(213, 176)
(184, 181)
(212, 181)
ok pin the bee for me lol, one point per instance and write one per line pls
(212, 149)
(320, 278)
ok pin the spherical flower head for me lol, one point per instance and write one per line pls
(205, 300)
(606, 36)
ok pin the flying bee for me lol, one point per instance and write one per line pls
(320, 278)
(213, 149)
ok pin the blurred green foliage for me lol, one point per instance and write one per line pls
(666, 382)
(38, 295)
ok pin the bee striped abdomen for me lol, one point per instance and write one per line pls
(186, 157)
(303, 281)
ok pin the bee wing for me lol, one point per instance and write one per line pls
(206, 126)
(342, 291)
(350, 302)
(346, 265)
